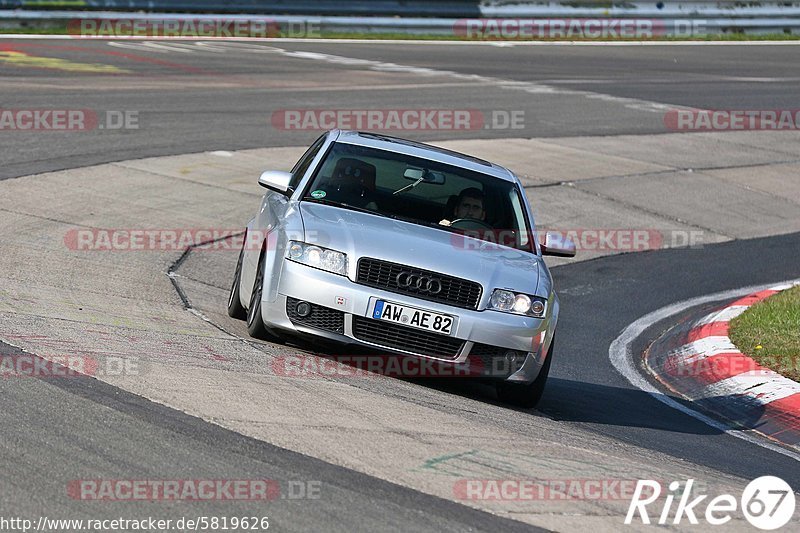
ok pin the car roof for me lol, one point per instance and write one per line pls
(426, 151)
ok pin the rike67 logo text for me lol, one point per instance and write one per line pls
(767, 502)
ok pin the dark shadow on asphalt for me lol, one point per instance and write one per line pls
(581, 402)
(567, 400)
(575, 401)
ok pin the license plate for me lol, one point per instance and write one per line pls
(412, 317)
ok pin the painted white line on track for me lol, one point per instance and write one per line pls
(137, 46)
(171, 47)
(439, 42)
(501, 83)
(155, 47)
(193, 47)
(782, 286)
(236, 46)
(622, 358)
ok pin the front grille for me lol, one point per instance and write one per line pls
(406, 339)
(320, 317)
(383, 275)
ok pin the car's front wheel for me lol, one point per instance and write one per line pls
(255, 322)
(526, 395)
(235, 307)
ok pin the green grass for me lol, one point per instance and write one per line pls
(769, 332)
(38, 30)
(61, 29)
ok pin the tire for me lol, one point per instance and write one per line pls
(255, 322)
(235, 307)
(526, 395)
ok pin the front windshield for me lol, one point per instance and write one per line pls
(422, 192)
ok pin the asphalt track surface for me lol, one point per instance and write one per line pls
(206, 101)
(191, 99)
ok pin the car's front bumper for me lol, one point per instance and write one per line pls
(529, 336)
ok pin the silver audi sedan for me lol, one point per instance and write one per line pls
(402, 249)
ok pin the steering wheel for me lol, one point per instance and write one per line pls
(470, 224)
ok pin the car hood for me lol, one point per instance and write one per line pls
(360, 235)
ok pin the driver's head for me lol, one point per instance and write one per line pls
(470, 204)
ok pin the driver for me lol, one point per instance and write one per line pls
(468, 205)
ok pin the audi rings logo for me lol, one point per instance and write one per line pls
(415, 282)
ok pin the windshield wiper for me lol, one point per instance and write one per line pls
(411, 186)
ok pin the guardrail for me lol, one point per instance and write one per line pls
(413, 8)
(433, 8)
(429, 18)
(636, 9)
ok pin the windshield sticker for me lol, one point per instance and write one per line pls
(318, 194)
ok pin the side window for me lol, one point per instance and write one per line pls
(302, 165)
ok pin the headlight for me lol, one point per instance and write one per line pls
(318, 257)
(517, 303)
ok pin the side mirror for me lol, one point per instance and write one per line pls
(558, 245)
(275, 180)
